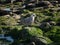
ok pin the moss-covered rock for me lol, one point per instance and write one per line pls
(7, 21)
(54, 33)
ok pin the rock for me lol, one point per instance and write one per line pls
(37, 41)
(29, 6)
(32, 43)
(4, 1)
(7, 16)
(54, 2)
(52, 23)
(44, 4)
(2, 12)
(16, 16)
(45, 24)
(58, 5)
(32, 1)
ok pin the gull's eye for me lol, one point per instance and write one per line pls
(33, 15)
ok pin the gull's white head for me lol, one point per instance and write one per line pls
(33, 15)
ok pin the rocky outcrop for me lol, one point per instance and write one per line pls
(44, 4)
